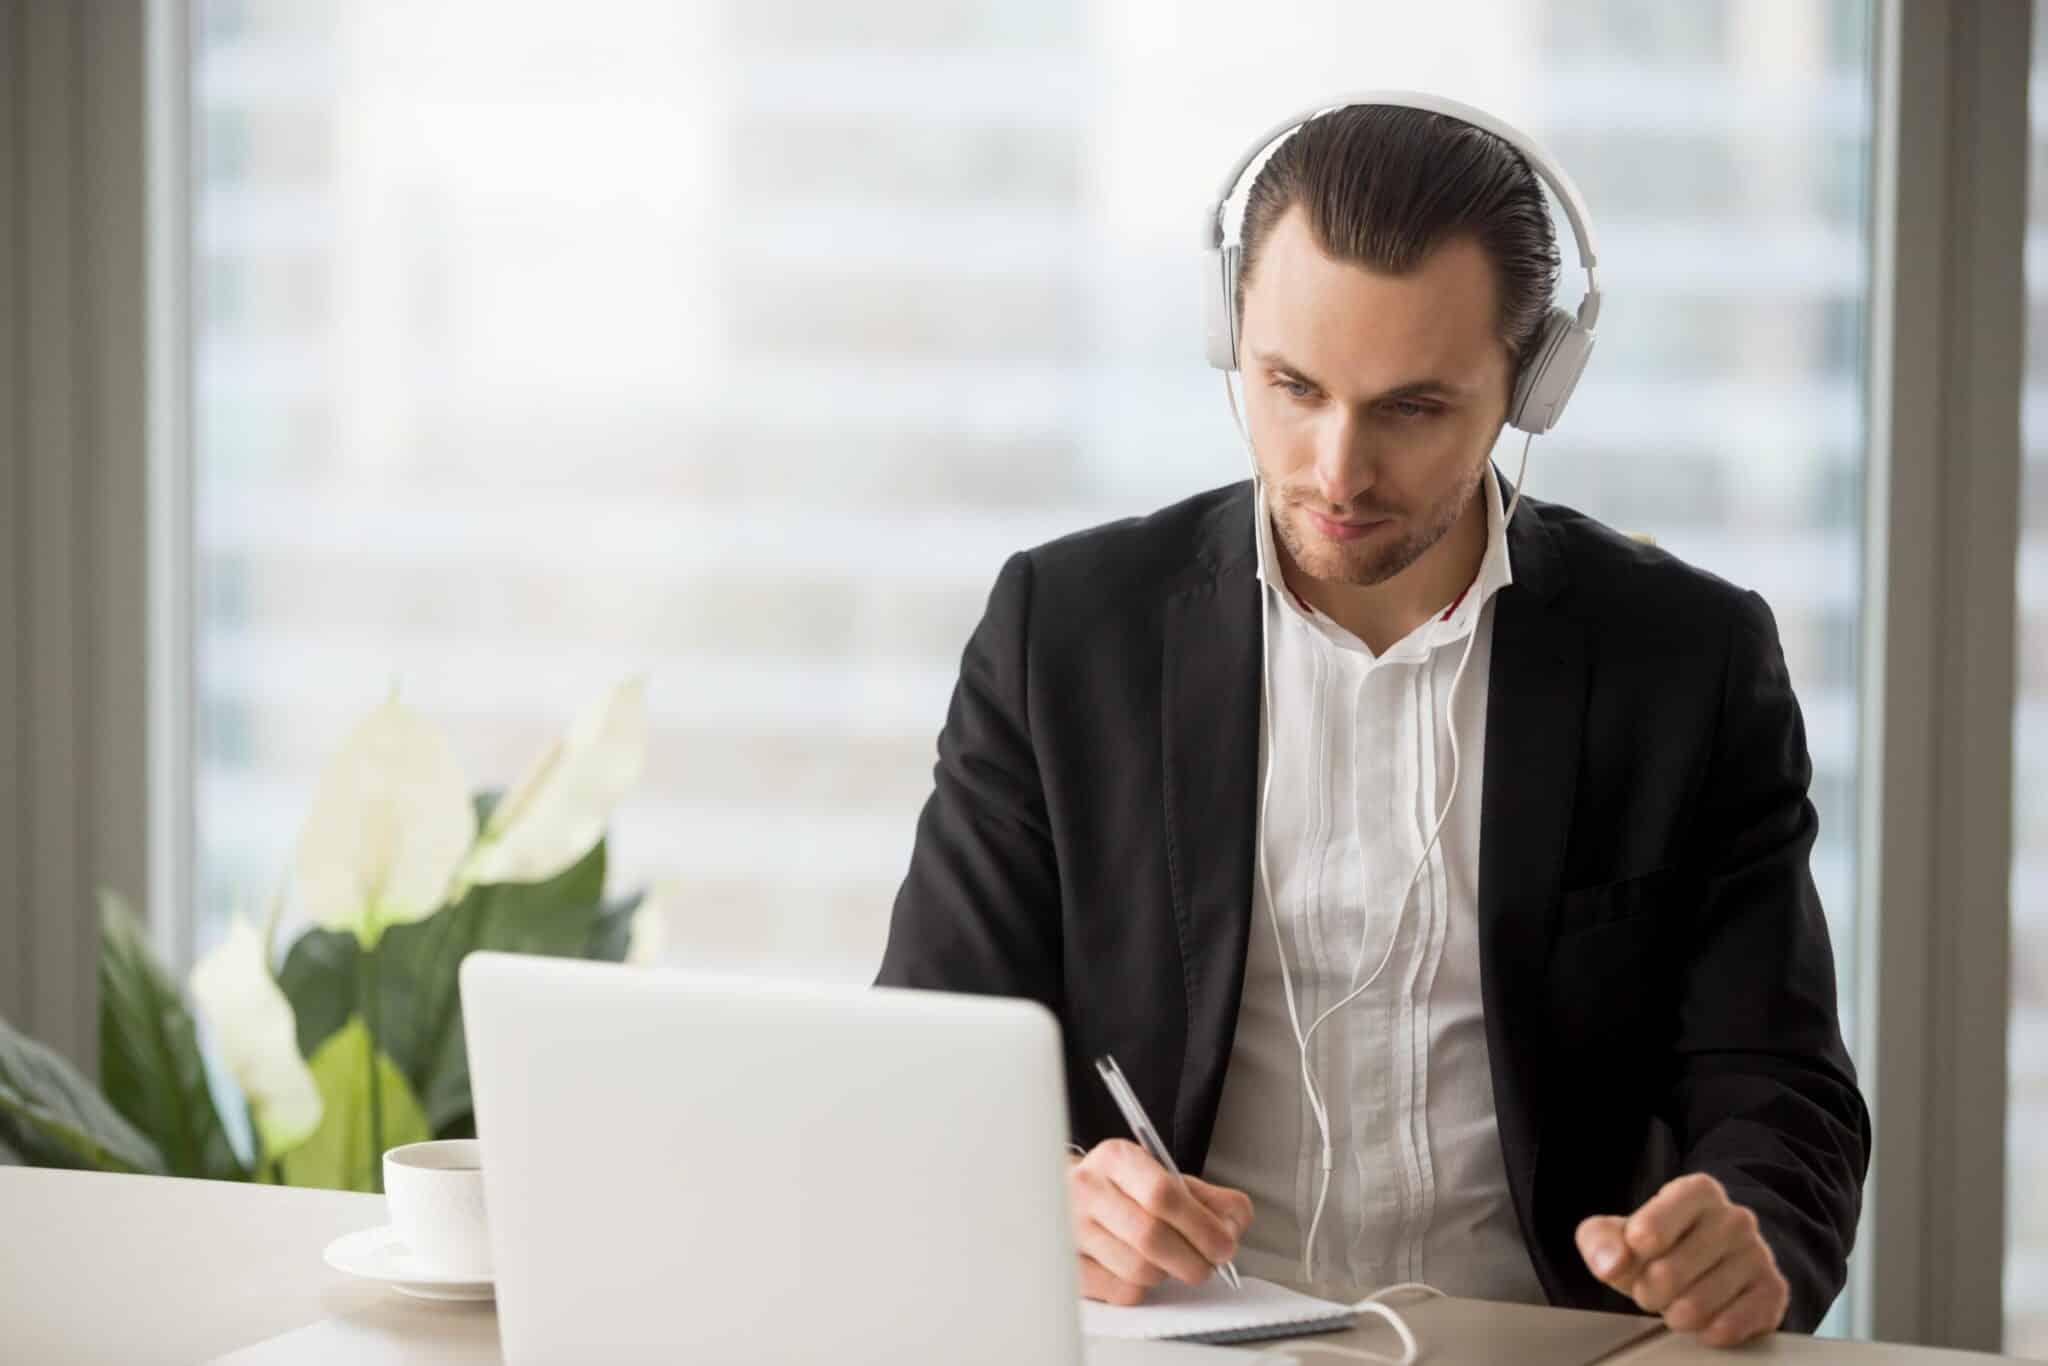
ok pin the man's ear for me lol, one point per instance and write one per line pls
(1512, 378)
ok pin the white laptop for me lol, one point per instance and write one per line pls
(681, 1167)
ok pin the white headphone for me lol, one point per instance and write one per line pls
(1546, 382)
(1554, 364)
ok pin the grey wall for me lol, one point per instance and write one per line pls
(73, 497)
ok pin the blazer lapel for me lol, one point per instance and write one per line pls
(1210, 751)
(1536, 700)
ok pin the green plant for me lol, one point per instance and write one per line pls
(354, 1044)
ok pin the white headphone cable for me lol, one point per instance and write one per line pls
(1308, 1081)
(1317, 1106)
(1289, 1353)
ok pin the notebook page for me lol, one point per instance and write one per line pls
(1212, 1310)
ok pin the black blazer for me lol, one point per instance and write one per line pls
(1656, 976)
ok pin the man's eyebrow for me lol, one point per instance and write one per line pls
(1415, 388)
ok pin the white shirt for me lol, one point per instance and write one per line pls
(1359, 752)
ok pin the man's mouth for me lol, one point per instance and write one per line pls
(1345, 530)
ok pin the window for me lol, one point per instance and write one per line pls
(738, 343)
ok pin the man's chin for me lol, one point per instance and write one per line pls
(1350, 571)
(1358, 564)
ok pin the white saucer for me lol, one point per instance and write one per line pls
(379, 1254)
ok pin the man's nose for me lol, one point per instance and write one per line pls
(1346, 466)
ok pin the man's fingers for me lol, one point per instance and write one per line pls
(1602, 1244)
(1693, 1256)
(1718, 1235)
(1669, 1214)
(1159, 1242)
(1758, 1310)
(1708, 1295)
(1099, 1283)
(1117, 1257)
(1162, 1195)
(1233, 1207)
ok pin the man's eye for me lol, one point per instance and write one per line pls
(1294, 387)
(1406, 407)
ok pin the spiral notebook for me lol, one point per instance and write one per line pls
(1214, 1313)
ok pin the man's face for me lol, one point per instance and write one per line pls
(1373, 400)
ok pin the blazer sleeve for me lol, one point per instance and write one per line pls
(1764, 1094)
(979, 910)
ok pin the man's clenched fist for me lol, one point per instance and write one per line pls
(1693, 1256)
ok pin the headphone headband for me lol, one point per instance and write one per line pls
(1554, 356)
(1547, 170)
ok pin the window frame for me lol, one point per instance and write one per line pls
(1942, 464)
(75, 765)
(1941, 528)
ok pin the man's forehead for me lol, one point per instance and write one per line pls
(1326, 318)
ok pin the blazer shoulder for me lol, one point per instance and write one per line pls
(1623, 581)
(1136, 555)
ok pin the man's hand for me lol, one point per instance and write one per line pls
(1135, 1224)
(1694, 1257)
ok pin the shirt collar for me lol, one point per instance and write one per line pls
(1495, 569)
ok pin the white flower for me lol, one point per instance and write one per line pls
(553, 816)
(259, 1040)
(390, 825)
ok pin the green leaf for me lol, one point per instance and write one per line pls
(416, 966)
(149, 1054)
(319, 979)
(611, 936)
(463, 1126)
(553, 917)
(338, 1155)
(50, 1116)
(450, 1108)
(420, 1019)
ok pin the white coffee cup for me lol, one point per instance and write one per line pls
(436, 1195)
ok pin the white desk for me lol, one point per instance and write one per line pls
(143, 1269)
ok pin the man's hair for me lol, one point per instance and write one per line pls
(1384, 186)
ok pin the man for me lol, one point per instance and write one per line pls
(1599, 1061)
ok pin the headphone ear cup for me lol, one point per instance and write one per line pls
(1550, 374)
(1219, 306)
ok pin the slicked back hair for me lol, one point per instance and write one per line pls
(1384, 186)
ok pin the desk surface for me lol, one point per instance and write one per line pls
(140, 1269)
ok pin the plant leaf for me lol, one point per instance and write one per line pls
(553, 917)
(658, 907)
(319, 979)
(416, 970)
(338, 1156)
(450, 1108)
(149, 1054)
(50, 1116)
(611, 934)
(416, 976)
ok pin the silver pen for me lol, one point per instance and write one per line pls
(1148, 1137)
